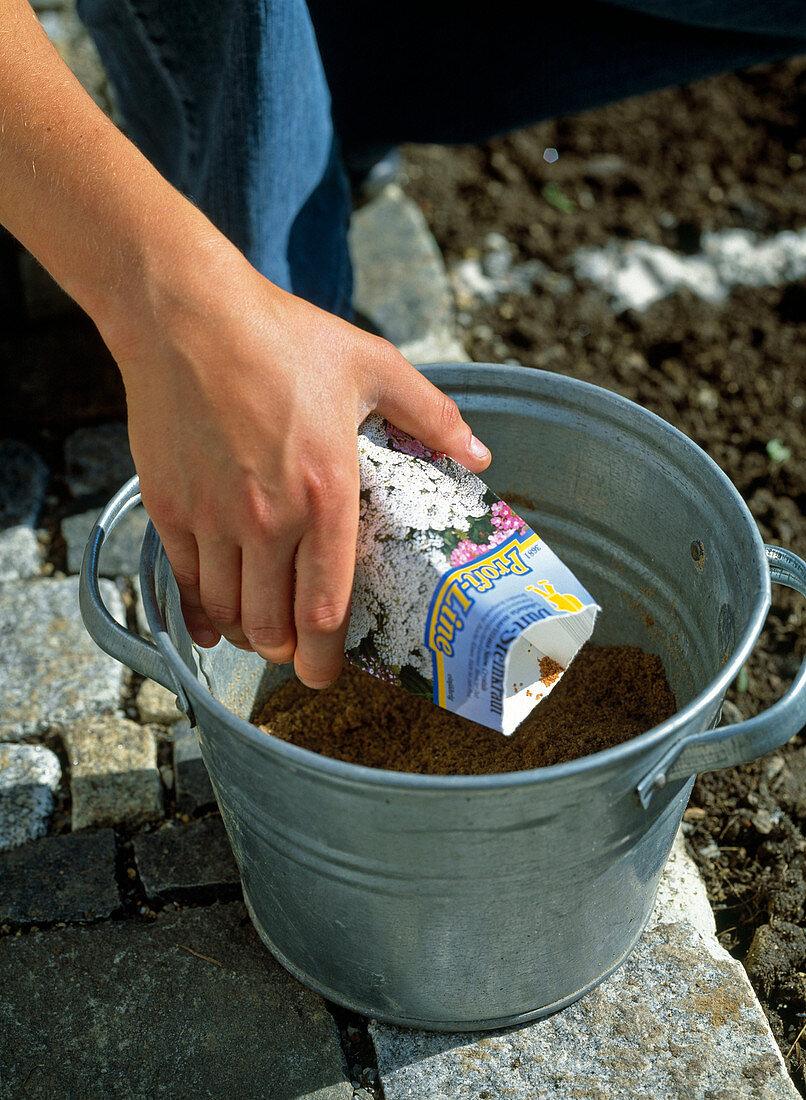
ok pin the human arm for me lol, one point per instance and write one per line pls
(243, 400)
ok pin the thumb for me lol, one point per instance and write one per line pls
(409, 401)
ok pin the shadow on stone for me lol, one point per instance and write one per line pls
(60, 878)
(189, 1005)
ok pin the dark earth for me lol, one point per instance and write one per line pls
(729, 151)
(726, 152)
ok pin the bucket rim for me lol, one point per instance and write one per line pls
(657, 737)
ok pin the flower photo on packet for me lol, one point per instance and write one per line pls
(455, 597)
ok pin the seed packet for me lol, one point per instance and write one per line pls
(455, 597)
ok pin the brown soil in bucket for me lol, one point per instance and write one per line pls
(608, 695)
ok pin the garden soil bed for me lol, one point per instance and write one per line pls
(727, 152)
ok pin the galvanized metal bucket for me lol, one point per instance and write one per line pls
(475, 902)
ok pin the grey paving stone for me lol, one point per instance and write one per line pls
(29, 774)
(51, 671)
(190, 1005)
(679, 1019)
(179, 857)
(120, 555)
(156, 704)
(114, 779)
(194, 790)
(401, 284)
(23, 481)
(59, 878)
(20, 553)
(98, 459)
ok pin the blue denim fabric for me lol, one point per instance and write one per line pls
(229, 100)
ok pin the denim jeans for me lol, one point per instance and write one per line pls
(229, 100)
(247, 105)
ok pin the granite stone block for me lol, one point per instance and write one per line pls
(51, 672)
(114, 777)
(20, 553)
(120, 555)
(29, 774)
(143, 628)
(179, 857)
(678, 1019)
(59, 878)
(156, 704)
(188, 1005)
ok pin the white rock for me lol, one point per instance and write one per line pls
(638, 273)
(20, 553)
(400, 281)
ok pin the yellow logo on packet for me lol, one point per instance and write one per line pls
(562, 601)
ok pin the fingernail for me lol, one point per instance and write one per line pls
(205, 638)
(317, 685)
(477, 448)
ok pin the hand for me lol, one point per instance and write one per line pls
(243, 400)
(244, 404)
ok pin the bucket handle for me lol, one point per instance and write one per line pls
(744, 741)
(122, 644)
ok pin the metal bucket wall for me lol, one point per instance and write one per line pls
(473, 902)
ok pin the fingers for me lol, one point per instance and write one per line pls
(409, 401)
(325, 565)
(267, 588)
(220, 588)
(248, 596)
(183, 554)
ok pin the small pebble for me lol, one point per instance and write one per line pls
(774, 766)
(694, 813)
